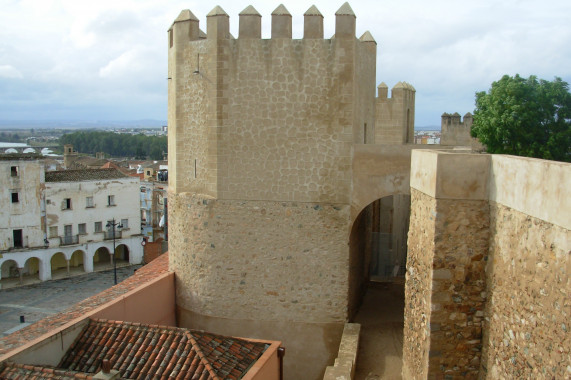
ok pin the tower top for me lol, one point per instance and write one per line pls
(345, 10)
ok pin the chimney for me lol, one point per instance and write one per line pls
(106, 372)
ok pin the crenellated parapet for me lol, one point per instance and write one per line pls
(395, 114)
(185, 28)
(220, 86)
(454, 130)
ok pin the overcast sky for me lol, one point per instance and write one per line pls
(107, 59)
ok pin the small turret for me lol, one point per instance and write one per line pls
(345, 22)
(184, 28)
(217, 24)
(250, 23)
(281, 22)
(313, 23)
(382, 91)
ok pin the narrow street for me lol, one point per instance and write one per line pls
(381, 317)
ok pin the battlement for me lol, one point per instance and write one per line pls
(185, 27)
(454, 120)
(455, 131)
(398, 90)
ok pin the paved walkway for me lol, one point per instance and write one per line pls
(381, 317)
(42, 299)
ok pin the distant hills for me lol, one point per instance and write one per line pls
(81, 124)
(427, 128)
(85, 124)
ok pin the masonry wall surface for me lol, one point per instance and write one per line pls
(418, 286)
(261, 135)
(271, 270)
(529, 309)
(498, 306)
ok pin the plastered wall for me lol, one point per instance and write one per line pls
(26, 213)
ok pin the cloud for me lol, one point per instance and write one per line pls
(110, 57)
(7, 71)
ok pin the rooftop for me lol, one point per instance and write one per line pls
(140, 351)
(83, 175)
(147, 273)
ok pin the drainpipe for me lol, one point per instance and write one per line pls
(281, 353)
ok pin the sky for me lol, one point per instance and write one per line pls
(107, 59)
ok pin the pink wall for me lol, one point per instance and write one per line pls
(268, 366)
(153, 303)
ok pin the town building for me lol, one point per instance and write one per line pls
(62, 220)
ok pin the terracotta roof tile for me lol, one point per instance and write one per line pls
(14, 371)
(83, 175)
(147, 273)
(141, 351)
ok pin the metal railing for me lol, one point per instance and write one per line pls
(109, 235)
(69, 240)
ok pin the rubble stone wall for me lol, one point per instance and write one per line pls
(527, 327)
(418, 285)
(458, 288)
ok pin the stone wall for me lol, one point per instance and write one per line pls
(458, 284)
(418, 286)
(529, 310)
(494, 275)
(395, 114)
(277, 270)
(267, 119)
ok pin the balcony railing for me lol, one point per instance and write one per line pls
(109, 235)
(69, 240)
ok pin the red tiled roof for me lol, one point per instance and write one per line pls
(147, 273)
(14, 371)
(83, 175)
(140, 351)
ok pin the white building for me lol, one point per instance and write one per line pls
(63, 219)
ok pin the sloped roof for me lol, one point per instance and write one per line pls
(140, 351)
(83, 175)
(23, 371)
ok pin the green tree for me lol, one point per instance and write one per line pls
(525, 117)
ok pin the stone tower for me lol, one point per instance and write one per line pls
(395, 115)
(454, 130)
(261, 138)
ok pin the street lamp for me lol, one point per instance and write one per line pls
(112, 224)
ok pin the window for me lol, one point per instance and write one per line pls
(66, 204)
(14, 171)
(15, 197)
(18, 240)
(125, 223)
(111, 200)
(81, 229)
(53, 232)
(98, 227)
(89, 202)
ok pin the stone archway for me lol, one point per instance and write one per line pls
(9, 269)
(378, 247)
(122, 254)
(58, 265)
(31, 269)
(102, 259)
(77, 259)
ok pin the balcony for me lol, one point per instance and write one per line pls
(109, 235)
(69, 240)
